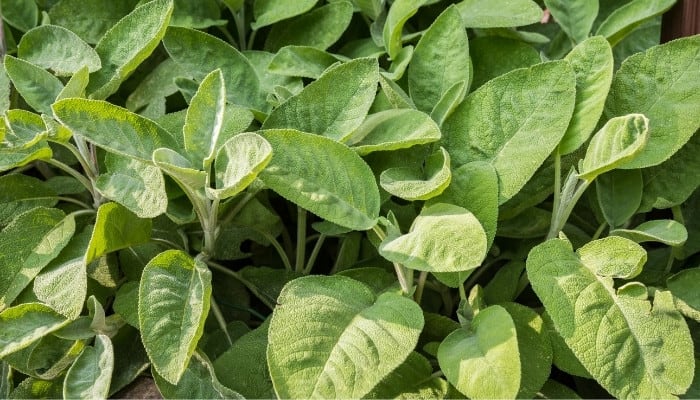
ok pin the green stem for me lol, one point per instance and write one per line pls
(418, 296)
(72, 172)
(245, 282)
(74, 201)
(401, 272)
(280, 250)
(79, 213)
(239, 19)
(571, 192)
(251, 39)
(463, 293)
(600, 230)
(314, 254)
(220, 319)
(168, 243)
(301, 240)
(237, 209)
(210, 227)
(228, 35)
(678, 214)
(557, 181)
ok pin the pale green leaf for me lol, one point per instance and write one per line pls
(127, 44)
(174, 297)
(198, 54)
(23, 129)
(56, 48)
(90, 19)
(628, 17)
(302, 61)
(564, 358)
(337, 186)
(540, 101)
(499, 13)
(393, 129)
(428, 181)
(399, 12)
(494, 56)
(113, 127)
(26, 323)
(27, 245)
(238, 163)
(116, 228)
(4, 91)
(332, 106)
(179, 168)
(197, 382)
(399, 64)
(599, 323)
(90, 375)
(614, 145)
(205, 118)
(683, 286)
(592, 61)
(319, 28)
(440, 60)
(20, 193)
(443, 238)
(270, 80)
(20, 14)
(197, 14)
(267, 12)
(75, 87)
(449, 101)
(395, 94)
(483, 361)
(413, 379)
(38, 87)
(13, 158)
(614, 257)
(148, 98)
(34, 388)
(666, 231)
(619, 194)
(574, 17)
(333, 337)
(662, 83)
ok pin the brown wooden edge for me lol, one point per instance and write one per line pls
(683, 19)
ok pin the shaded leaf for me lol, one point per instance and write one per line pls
(664, 231)
(319, 28)
(38, 87)
(116, 228)
(26, 323)
(56, 48)
(238, 163)
(197, 382)
(91, 373)
(499, 13)
(619, 195)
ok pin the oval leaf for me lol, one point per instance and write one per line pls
(238, 163)
(499, 13)
(174, 297)
(179, 168)
(90, 375)
(628, 17)
(666, 231)
(205, 118)
(399, 13)
(613, 256)
(419, 184)
(412, 379)
(333, 337)
(116, 228)
(267, 12)
(393, 129)
(322, 176)
(319, 28)
(26, 323)
(56, 48)
(197, 382)
(38, 87)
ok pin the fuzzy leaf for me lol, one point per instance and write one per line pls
(302, 61)
(90, 20)
(664, 231)
(267, 12)
(423, 183)
(399, 12)
(238, 163)
(38, 87)
(619, 195)
(628, 17)
(56, 48)
(499, 13)
(412, 379)
(393, 129)
(574, 17)
(205, 119)
(21, 14)
(20, 193)
(197, 382)
(90, 375)
(26, 323)
(116, 228)
(319, 28)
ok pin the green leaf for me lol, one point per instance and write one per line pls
(116, 228)
(574, 17)
(90, 20)
(619, 195)
(494, 56)
(337, 186)
(683, 286)
(33, 388)
(200, 14)
(238, 163)
(113, 127)
(174, 297)
(666, 231)
(540, 103)
(593, 63)
(20, 193)
(90, 375)
(614, 145)
(319, 28)
(27, 245)
(198, 54)
(483, 361)
(197, 382)
(205, 118)
(267, 12)
(38, 87)
(75, 87)
(179, 168)
(393, 129)
(412, 379)
(149, 97)
(564, 358)
(14, 158)
(130, 359)
(399, 64)
(26, 323)
(628, 17)
(333, 337)
(661, 83)
(449, 101)
(614, 257)
(302, 61)
(399, 12)
(441, 59)
(598, 323)
(499, 13)
(123, 48)
(504, 285)
(126, 303)
(443, 238)
(56, 48)
(20, 14)
(4, 90)
(23, 129)
(134, 184)
(410, 183)
(555, 390)
(332, 106)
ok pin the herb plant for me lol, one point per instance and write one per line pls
(348, 199)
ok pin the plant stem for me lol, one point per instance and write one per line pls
(418, 295)
(301, 240)
(169, 243)
(74, 201)
(239, 19)
(220, 319)
(400, 270)
(314, 254)
(245, 282)
(557, 181)
(570, 194)
(280, 250)
(88, 211)
(210, 227)
(462, 293)
(72, 172)
(600, 230)
(237, 208)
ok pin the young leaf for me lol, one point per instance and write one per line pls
(26, 323)
(412, 379)
(661, 83)
(116, 228)
(440, 60)
(419, 184)
(483, 361)
(592, 61)
(614, 257)
(393, 129)
(20, 193)
(197, 382)
(619, 195)
(581, 303)
(332, 106)
(205, 118)
(56, 48)
(628, 17)
(90, 375)
(399, 13)
(337, 186)
(89, 20)
(179, 168)
(348, 338)
(174, 297)
(38, 87)
(267, 12)
(443, 238)
(574, 17)
(238, 163)
(301, 61)
(75, 87)
(27, 245)
(23, 129)
(113, 127)
(540, 99)
(149, 97)
(614, 145)
(499, 13)
(123, 48)
(319, 28)
(666, 231)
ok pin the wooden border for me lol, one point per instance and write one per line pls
(683, 19)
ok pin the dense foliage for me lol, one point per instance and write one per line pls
(345, 199)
